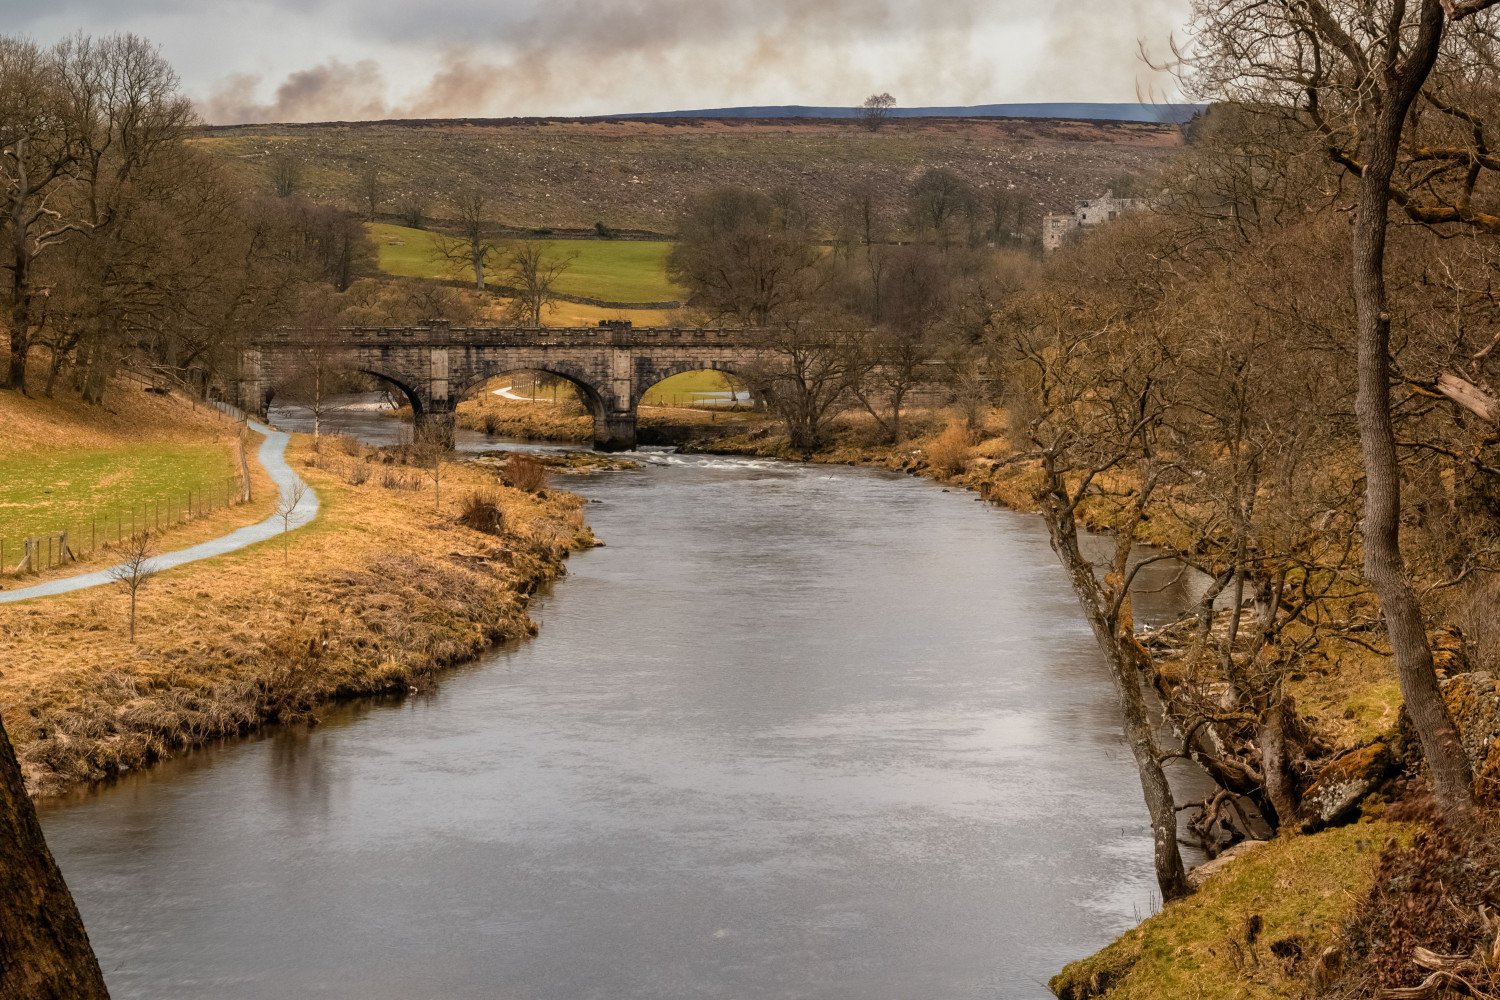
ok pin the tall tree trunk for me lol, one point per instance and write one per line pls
(1448, 765)
(476, 258)
(1282, 793)
(1123, 654)
(44, 951)
(20, 283)
(20, 346)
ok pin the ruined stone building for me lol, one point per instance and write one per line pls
(1058, 229)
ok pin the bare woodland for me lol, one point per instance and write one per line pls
(1283, 377)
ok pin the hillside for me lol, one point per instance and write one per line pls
(1113, 112)
(96, 472)
(636, 175)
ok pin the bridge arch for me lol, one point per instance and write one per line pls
(614, 426)
(273, 388)
(646, 380)
(590, 393)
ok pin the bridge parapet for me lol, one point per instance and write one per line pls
(444, 336)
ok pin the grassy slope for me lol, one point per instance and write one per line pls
(1303, 889)
(623, 271)
(377, 592)
(638, 175)
(64, 465)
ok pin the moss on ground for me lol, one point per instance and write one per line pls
(1255, 931)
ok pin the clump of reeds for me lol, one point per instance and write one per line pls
(525, 472)
(481, 511)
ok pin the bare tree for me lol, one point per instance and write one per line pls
(529, 271)
(136, 571)
(1087, 396)
(908, 297)
(861, 218)
(1353, 73)
(473, 245)
(285, 172)
(875, 110)
(429, 453)
(743, 257)
(940, 199)
(80, 123)
(287, 503)
(412, 211)
(806, 382)
(371, 190)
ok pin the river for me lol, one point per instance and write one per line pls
(795, 732)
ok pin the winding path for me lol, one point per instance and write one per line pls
(272, 457)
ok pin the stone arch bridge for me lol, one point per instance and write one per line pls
(434, 365)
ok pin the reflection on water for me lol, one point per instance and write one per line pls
(795, 732)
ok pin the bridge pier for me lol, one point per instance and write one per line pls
(615, 431)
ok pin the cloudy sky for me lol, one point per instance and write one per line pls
(312, 60)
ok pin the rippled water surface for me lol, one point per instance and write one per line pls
(795, 732)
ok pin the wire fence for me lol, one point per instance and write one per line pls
(83, 537)
(105, 526)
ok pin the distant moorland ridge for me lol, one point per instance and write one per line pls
(636, 175)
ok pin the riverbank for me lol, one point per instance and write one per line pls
(385, 589)
(1273, 920)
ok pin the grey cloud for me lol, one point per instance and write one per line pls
(489, 57)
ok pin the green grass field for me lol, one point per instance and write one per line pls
(684, 389)
(679, 390)
(610, 270)
(73, 490)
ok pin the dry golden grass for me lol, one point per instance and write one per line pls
(564, 420)
(380, 591)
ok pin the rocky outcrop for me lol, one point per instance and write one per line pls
(1343, 783)
(1474, 700)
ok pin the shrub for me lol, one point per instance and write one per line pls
(525, 472)
(392, 480)
(1436, 894)
(949, 451)
(481, 511)
(491, 424)
(357, 474)
(350, 445)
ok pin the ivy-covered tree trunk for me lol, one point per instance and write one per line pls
(44, 951)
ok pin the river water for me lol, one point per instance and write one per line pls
(796, 732)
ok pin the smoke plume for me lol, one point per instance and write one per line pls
(487, 59)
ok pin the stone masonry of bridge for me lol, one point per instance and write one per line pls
(435, 366)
